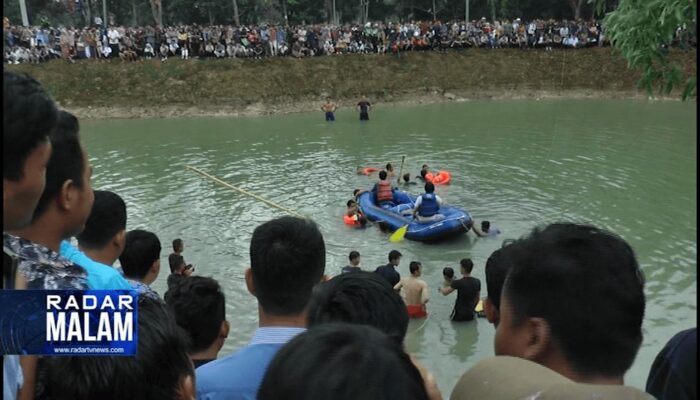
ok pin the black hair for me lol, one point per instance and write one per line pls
(393, 255)
(360, 298)
(161, 362)
(561, 273)
(485, 226)
(29, 116)
(199, 306)
(414, 266)
(406, 177)
(342, 362)
(389, 167)
(448, 272)
(177, 244)
(141, 250)
(287, 259)
(351, 202)
(176, 262)
(429, 187)
(66, 161)
(355, 192)
(424, 166)
(467, 264)
(496, 270)
(353, 255)
(382, 175)
(107, 218)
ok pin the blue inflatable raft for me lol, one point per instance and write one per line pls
(456, 221)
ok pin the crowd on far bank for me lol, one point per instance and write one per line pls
(38, 44)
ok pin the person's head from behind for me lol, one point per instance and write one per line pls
(178, 246)
(429, 187)
(29, 116)
(366, 364)
(406, 177)
(495, 270)
(140, 259)
(394, 257)
(354, 258)
(389, 167)
(485, 226)
(448, 273)
(105, 229)
(199, 306)
(360, 298)
(414, 267)
(466, 265)
(355, 192)
(424, 167)
(68, 197)
(382, 175)
(558, 275)
(161, 360)
(287, 259)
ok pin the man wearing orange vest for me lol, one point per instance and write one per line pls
(383, 192)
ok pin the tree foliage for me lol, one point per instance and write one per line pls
(642, 31)
(139, 12)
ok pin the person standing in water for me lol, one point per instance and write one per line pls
(363, 107)
(329, 108)
(415, 291)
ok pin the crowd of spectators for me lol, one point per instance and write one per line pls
(37, 44)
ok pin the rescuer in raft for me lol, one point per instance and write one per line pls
(383, 191)
(428, 205)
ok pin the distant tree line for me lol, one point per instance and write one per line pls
(236, 12)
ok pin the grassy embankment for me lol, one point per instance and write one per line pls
(231, 87)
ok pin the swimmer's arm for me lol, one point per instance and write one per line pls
(424, 297)
(398, 286)
(446, 290)
(477, 231)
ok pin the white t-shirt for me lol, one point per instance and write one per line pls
(113, 36)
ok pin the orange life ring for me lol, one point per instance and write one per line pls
(369, 170)
(441, 178)
(351, 220)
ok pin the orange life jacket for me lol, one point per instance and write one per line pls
(350, 219)
(384, 192)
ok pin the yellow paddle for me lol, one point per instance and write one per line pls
(399, 234)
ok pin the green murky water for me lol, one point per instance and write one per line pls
(623, 165)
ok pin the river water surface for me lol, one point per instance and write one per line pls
(626, 166)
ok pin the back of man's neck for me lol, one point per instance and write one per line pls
(97, 255)
(290, 321)
(43, 236)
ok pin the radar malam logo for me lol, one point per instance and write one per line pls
(73, 320)
(53, 322)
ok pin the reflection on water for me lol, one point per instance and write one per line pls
(625, 166)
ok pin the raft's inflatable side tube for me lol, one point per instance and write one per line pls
(456, 221)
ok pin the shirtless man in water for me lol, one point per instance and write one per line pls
(415, 290)
(329, 107)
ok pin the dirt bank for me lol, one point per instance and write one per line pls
(116, 89)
